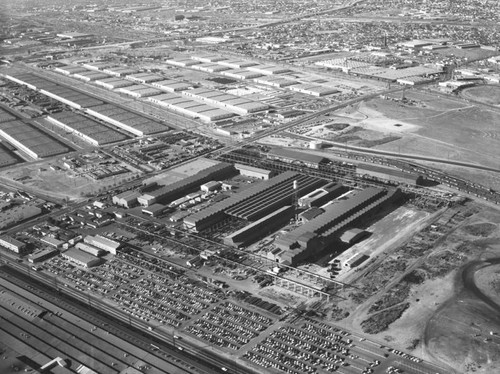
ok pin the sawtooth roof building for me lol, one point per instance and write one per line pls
(314, 235)
(256, 201)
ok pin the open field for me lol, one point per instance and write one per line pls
(487, 94)
(424, 124)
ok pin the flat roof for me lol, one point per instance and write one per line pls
(79, 255)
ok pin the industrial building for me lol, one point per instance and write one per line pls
(154, 210)
(253, 172)
(209, 67)
(296, 157)
(12, 244)
(89, 130)
(53, 242)
(313, 236)
(314, 89)
(264, 202)
(190, 108)
(211, 186)
(236, 63)
(241, 74)
(113, 83)
(209, 58)
(42, 255)
(81, 258)
(126, 120)
(322, 195)
(279, 82)
(101, 242)
(388, 174)
(261, 228)
(171, 85)
(139, 90)
(98, 65)
(268, 69)
(90, 76)
(30, 140)
(192, 183)
(58, 92)
(182, 62)
(127, 199)
(70, 69)
(122, 71)
(256, 201)
(70, 97)
(94, 251)
(226, 101)
(144, 77)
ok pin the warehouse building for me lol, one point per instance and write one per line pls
(144, 77)
(113, 83)
(236, 63)
(279, 82)
(154, 210)
(98, 65)
(192, 183)
(94, 251)
(53, 242)
(126, 120)
(182, 62)
(296, 157)
(209, 58)
(70, 69)
(226, 101)
(12, 244)
(253, 172)
(120, 71)
(89, 130)
(209, 67)
(321, 231)
(171, 85)
(30, 140)
(42, 255)
(211, 186)
(254, 202)
(314, 89)
(268, 69)
(241, 74)
(356, 260)
(101, 242)
(58, 92)
(70, 97)
(260, 228)
(139, 90)
(90, 76)
(81, 258)
(388, 174)
(190, 108)
(127, 199)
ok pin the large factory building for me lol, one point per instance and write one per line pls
(327, 227)
(190, 184)
(256, 201)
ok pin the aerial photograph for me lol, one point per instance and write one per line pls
(250, 186)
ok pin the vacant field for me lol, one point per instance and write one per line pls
(487, 94)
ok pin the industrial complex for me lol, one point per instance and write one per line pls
(249, 187)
